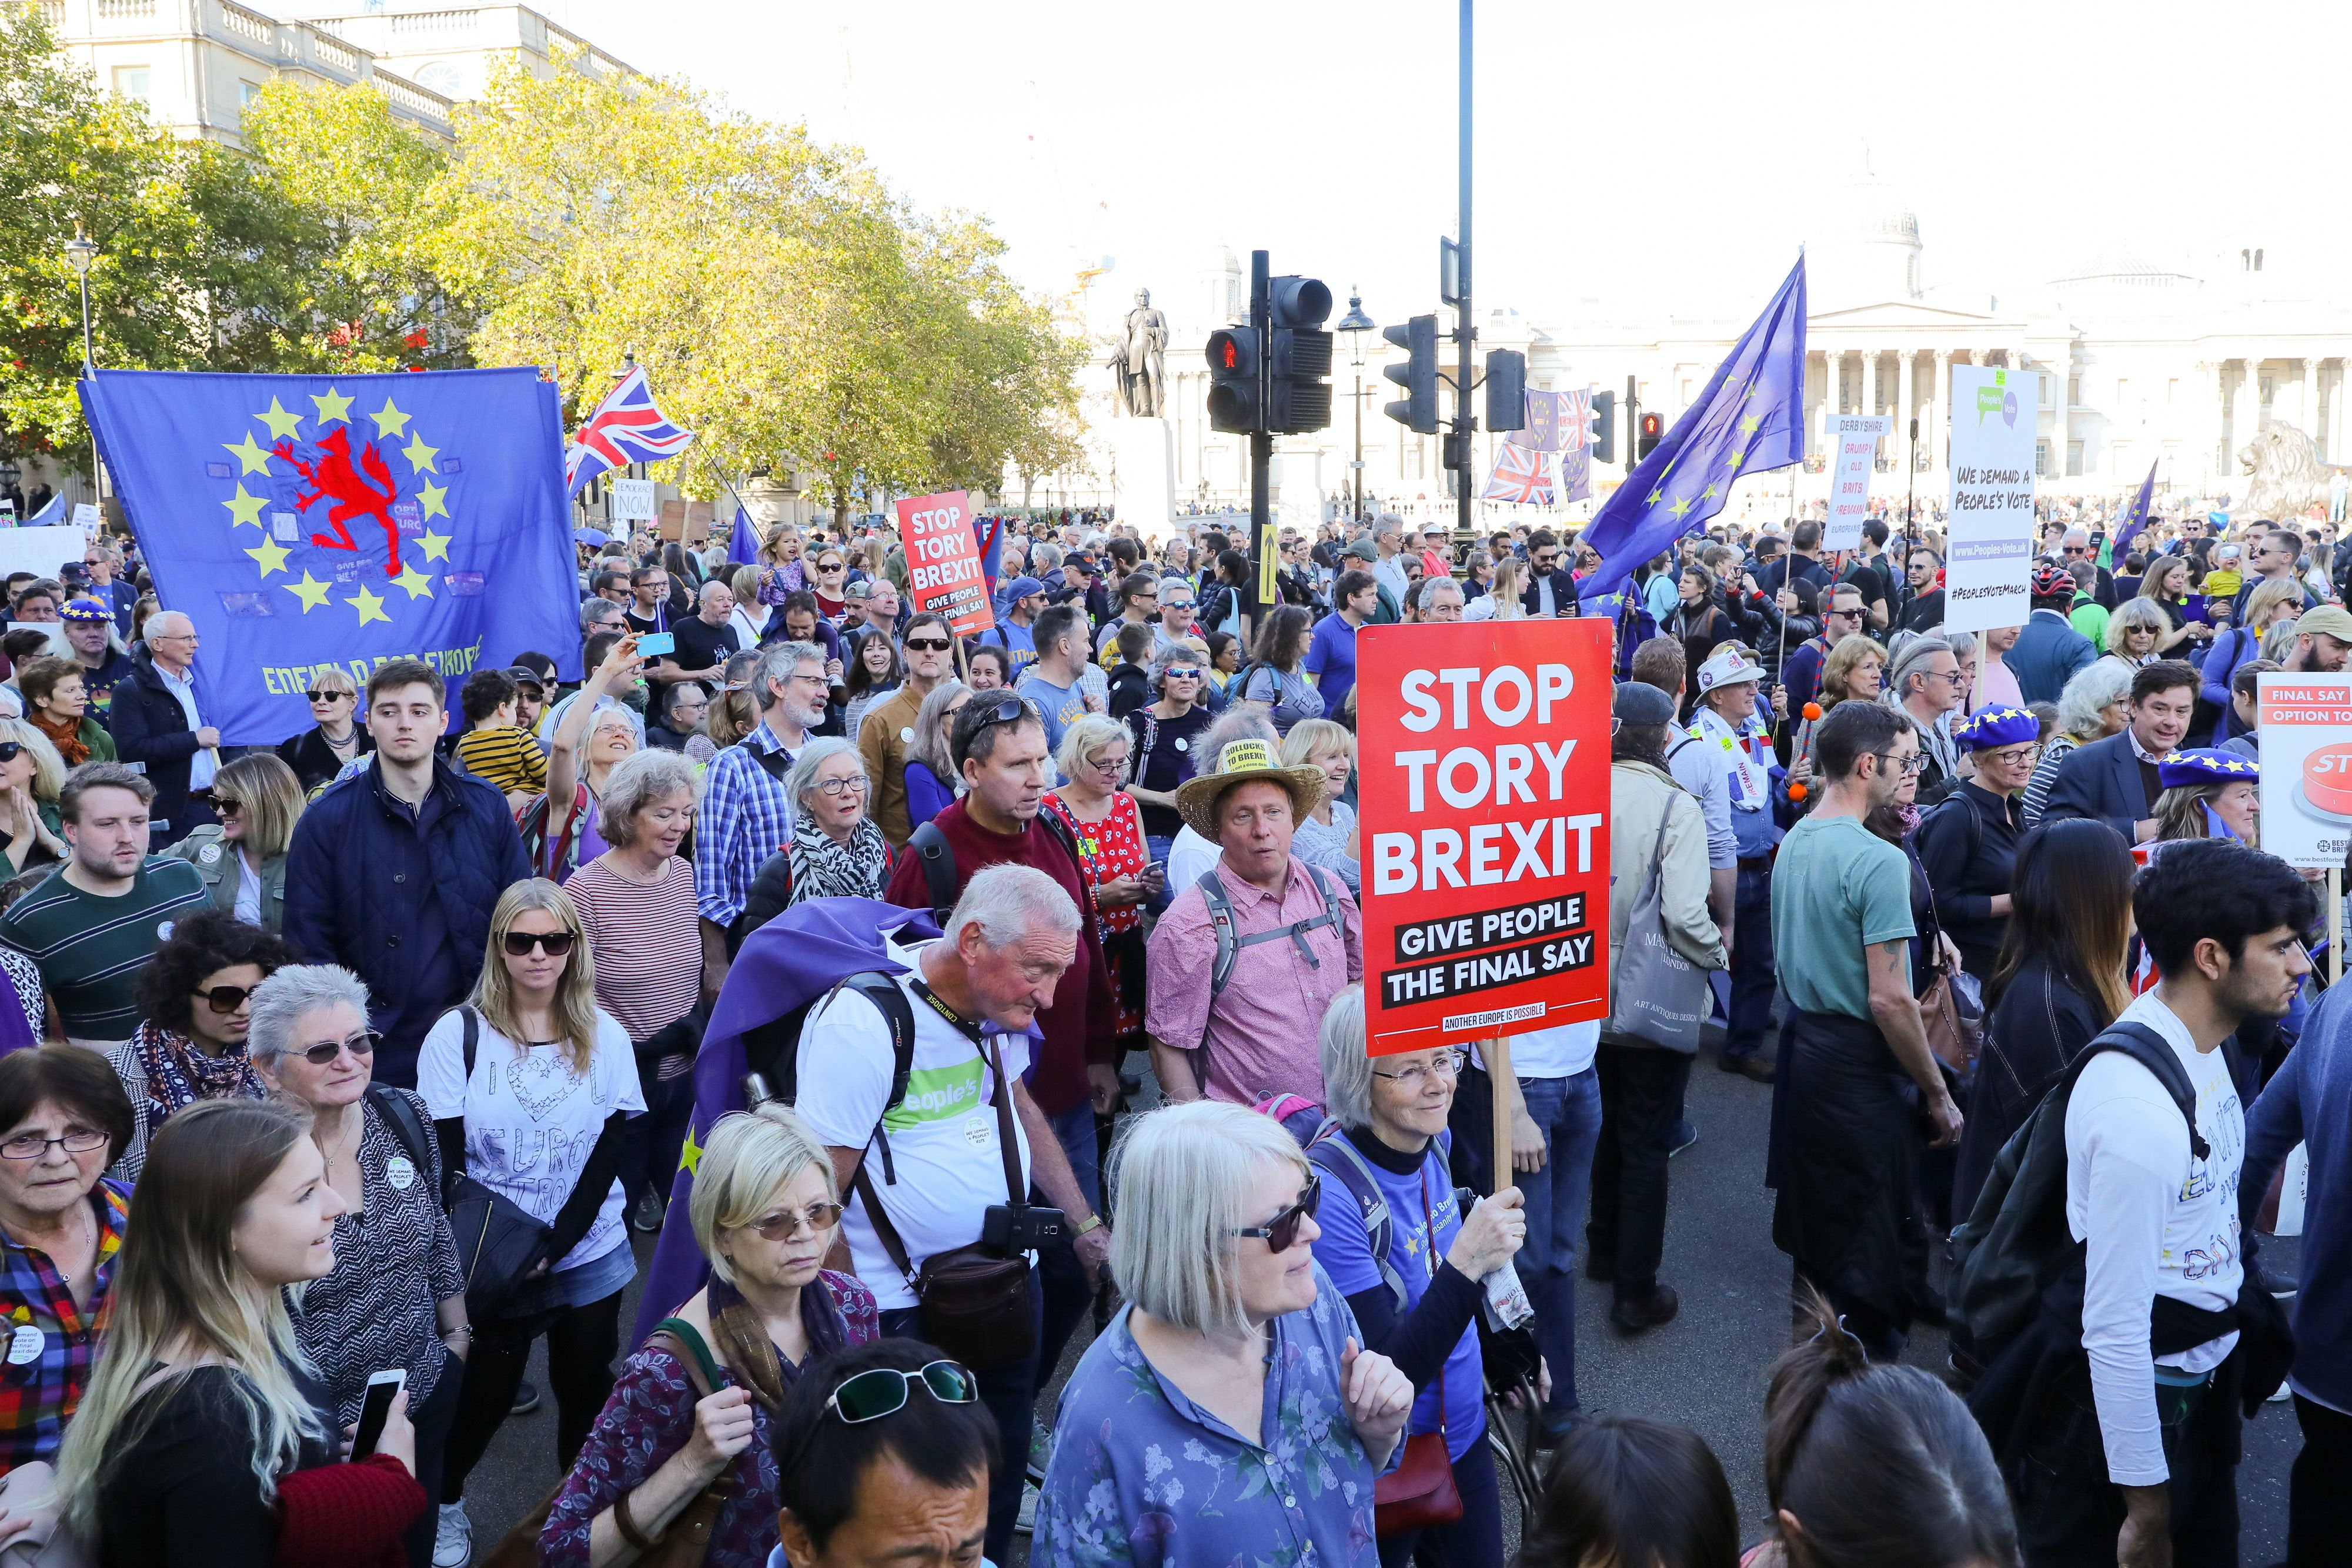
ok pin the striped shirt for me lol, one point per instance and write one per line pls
(645, 943)
(505, 755)
(89, 949)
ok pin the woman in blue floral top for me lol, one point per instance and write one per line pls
(764, 1208)
(1227, 1415)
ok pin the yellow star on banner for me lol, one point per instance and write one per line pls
(1739, 455)
(1680, 508)
(270, 556)
(310, 590)
(419, 586)
(429, 499)
(389, 421)
(369, 605)
(283, 426)
(420, 456)
(1654, 496)
(255, 459)
(1748, 426)
(333, 407)
(244, 508)
(689, 1158)
(1708, 494)
(435, 545)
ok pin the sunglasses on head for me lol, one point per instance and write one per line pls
(1282, 1230)
(519, 943)
(884, 1391)
(361, 1044)
(927, 644)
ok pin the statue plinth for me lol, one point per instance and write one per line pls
(1143, 475)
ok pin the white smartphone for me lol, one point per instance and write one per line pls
(375, 1407)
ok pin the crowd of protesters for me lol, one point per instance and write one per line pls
(368, 1052)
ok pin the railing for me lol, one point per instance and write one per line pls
(334, 52)
(125, 10)
(253, 24)
(406, 96)
(433, 23)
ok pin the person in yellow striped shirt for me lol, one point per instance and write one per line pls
(495, 747)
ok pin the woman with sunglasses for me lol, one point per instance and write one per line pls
(335, 735)
(195, 1010)
(1108, 828)
(831, 585)
(1168, 747)
(764, 1210)
(242, 857)
(31, 775)
(1227, 1306)
(536, 1111)
(395, 1297)
(836, 851)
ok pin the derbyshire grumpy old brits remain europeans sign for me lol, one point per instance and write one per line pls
(1485, 798)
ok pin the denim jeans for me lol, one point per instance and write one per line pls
(1568, 1111)
(1749, 1015)
(1061, 1278)
(1157, 848)
(1011, 1394)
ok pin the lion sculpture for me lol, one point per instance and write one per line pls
(2286, 478)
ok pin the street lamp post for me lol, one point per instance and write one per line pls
(1353, 326)
(81, 251)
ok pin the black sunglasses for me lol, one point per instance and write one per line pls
(317, 696)
(1282, 1230)
(224, 806)
(519, 943)
(225, 999)
(927, 644)
(10, 749)
(361, 1044)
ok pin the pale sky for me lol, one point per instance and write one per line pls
(2027, 138)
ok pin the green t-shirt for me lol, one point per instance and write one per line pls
(89, 949)
(2090, 618)
(1837, 888)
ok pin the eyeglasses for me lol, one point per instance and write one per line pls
(1447, 1066)
(1911, 764)
(32, 1145)
(361, 1044)
(883, 1390)
(1175, 604)
(225, 999)
(227, 807)
(2077, 549)
(929, 644)
(317, 695)
(2015, 755)
(519, 943)
(1282, 1230)
(836, 566)
(836, 787)
(785, 1224)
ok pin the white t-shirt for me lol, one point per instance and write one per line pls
(1561, 1051)
(943, 1135)
(2167, 1225)
(1189, 857)
(532, 1122)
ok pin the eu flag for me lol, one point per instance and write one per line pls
(1750, 417)
(2133, 520)
(309, 523)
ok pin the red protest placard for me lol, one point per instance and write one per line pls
(1484, 798)
(943, 575)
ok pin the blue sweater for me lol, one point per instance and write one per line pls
(2309, 1101)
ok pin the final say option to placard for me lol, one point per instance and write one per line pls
(2306, 767)
(943, 570)
(1484, 798)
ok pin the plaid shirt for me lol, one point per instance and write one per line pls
(746, 816)
(47, 1364)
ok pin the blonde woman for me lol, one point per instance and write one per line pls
(205, 1436)
(530, 1084)
(31, 775)
(1326, 836)
(336, 735)
(764, 1210)
(1106, 825)
(2135, 631)
(1501, 599)
(2164, 584)
(2269, 604)
(1227, 1306)
(242, 857)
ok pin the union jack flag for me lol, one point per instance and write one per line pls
(628, 427)
(1520, 475)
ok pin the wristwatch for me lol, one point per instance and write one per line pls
(1091, 1222)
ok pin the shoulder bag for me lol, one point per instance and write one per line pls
(974, 1302)
(498, 1241)
(1951, 1009)
(1656, 997)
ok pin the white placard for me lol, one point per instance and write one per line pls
(2306, 728)
(633, 500)
(1854, 449)
(1989, 565)
(42, 551)
(86, 518)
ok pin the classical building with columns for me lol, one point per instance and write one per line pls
(2139, 364)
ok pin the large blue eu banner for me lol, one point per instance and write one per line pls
(313, 522)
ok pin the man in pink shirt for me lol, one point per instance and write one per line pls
(1298, 940)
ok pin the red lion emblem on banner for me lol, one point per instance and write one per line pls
(334, 478)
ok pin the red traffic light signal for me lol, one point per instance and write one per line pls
(1653, 430)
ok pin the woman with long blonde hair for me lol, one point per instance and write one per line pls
(242, 857)
(1501, 599)
(203, 1437)
(530, 1084)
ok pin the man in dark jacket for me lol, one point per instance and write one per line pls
(393, 873)
(156, 726)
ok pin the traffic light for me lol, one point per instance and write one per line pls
(1232, 380)
(1507, 389)
(1604, 427)
(1653, 430)
(1418, 375)
(1298, 399)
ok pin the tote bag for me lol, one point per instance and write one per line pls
(1658, 997)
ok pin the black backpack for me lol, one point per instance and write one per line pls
(2016, 1242)
(938, 856)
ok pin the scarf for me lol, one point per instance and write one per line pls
(823, 868)
(65, 734)
(1751, 784)
(754, 1355)
(179, 1074)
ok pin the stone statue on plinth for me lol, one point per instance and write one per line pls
(1140, 360)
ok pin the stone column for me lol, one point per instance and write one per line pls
(2334, 417)
(1939, 413)
(1870, 380)
(2062, 377)
(2307, 405)
(2212, 418)
(1905, 364)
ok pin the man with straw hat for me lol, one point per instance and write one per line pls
(1247, 957)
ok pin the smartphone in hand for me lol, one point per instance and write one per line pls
(374, 1408)
(651, 644)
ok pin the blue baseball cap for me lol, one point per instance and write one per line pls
(1021, 587)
